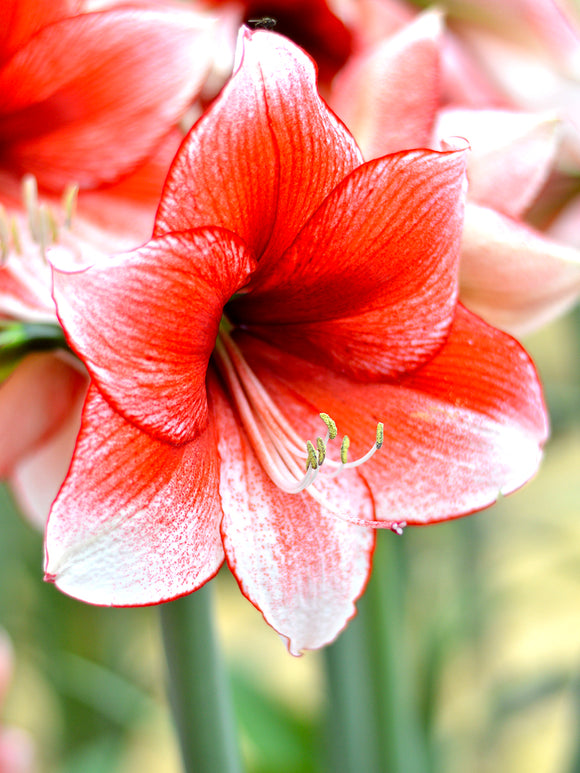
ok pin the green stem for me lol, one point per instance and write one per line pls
(198, 686)
(374, 717)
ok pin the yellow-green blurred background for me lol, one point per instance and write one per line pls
(491, 632)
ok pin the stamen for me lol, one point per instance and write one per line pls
(69, 204)
(4, 234)
(344, 446)
(330, 425)
(321, 446)
(312, 459)
(43, 222)
(16, 243)
(292, 464)
(30, 197)
(47, 228)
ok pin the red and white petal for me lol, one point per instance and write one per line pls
(464, 428)
(35, 402)
(136, 521)
(296, 561)
(388, 96)
(79, 85)
(145, 324)
(511, 154)
(370, 285)
(268, 145)
(513, 276)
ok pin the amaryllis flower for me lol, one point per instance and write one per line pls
(283, 367)
(74, 83)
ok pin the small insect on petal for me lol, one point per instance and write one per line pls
(265, 23)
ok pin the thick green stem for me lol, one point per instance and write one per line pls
(198, 686)
(374, 718)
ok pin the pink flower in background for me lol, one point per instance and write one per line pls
(392, 95)
(286, 280)
(527, 56)
(16, 749)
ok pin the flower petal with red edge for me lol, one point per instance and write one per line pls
(80, 85)
(511, 154)
(388, 96)
(136, 521)
(299, 564)
(145, 324)
(464, 428)
(513, 276)
(265, 154)
(370, 285)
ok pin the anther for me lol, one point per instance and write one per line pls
(69, 203)
(380, 434)
(321, 446)
(4, 234)
(312, 459)
(30, 196)
(16, 243)
(48, 228)
(330, 426)
(344, 449)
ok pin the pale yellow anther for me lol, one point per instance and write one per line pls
(16, 243)
(330, 426)
(69, 203)
(47, 227)
(30, 196)
(344, 449)
(4, 234)
(311, 458)
(321, 446)
(380, 434)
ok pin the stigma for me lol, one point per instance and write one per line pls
(292, 463)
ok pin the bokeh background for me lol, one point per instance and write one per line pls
(490, 638)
